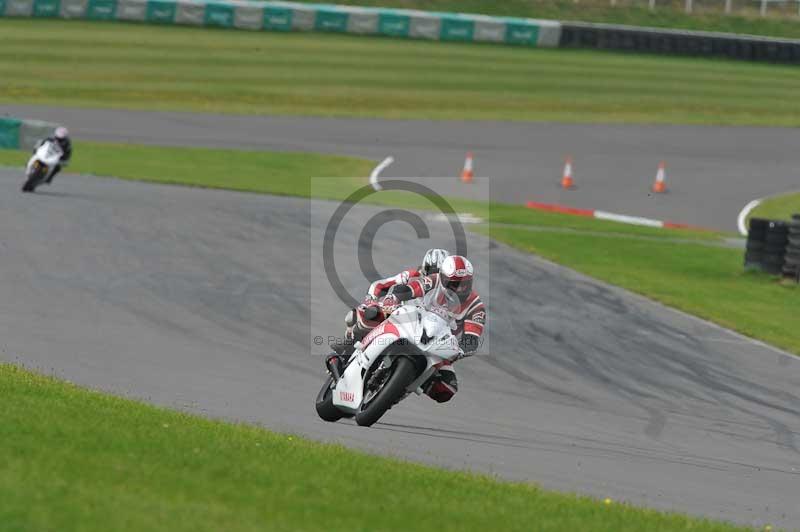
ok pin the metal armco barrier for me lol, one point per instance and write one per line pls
(289, 16)
(17, 134)
(791, 263)
(677, 42)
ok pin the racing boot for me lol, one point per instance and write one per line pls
(442, 386)
(52, 175)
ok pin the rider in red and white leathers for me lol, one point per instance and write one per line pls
(456, 274)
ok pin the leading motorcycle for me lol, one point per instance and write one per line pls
(41, 164)
(394, 360)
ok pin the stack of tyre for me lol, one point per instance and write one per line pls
(766, 245)
(791, 263)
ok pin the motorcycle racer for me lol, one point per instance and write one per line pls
(60, 137)
(455, 274)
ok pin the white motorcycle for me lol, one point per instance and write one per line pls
(394, 360)
(42, 164)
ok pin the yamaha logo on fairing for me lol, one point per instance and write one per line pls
(347, 397)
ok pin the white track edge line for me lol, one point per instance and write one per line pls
(740, 221)
(376, 173)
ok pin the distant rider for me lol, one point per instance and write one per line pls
(60, 137)
(456, 274)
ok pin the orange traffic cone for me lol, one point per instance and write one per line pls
(467, 174)
(659, 186)
(566, 181)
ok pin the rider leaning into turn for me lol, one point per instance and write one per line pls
(456, 274)
(60, 137)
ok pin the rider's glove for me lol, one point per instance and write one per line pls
(389, 304)
(463, 354)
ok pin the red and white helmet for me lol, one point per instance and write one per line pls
(61, 133)
(456, 275)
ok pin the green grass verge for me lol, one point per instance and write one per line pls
(706, 281)
(304, 175)
(282, 173)
(117, 65)
(783, 22)
(778, 207)
(73, 459)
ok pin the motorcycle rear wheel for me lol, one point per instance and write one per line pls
(326, 410)
(403, 374)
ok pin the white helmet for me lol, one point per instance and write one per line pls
(433, 261)
(61, 133)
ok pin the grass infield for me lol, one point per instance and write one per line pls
(778, 207)
(135, 66)
(73, 459)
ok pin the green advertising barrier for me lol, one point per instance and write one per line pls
(161, 11)
(519, 32)
(220, 15)
(9, 133)
(394, 24)
(101, 9)
(455, 28)
(277, 18)
(292, 16)
(413, 24)
(331, 20)
(46, 8)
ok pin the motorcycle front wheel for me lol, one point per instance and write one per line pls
(34, 180)
(325, 407)
(402, 374)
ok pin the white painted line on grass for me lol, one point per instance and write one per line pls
(742, 220)
(634, 220)
(464, 218)
(376, 173)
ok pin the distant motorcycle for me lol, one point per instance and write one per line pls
(394, 360)
(42, 164)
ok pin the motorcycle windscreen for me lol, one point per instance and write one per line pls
(53, 151)
(442, 301)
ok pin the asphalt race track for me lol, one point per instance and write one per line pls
(199, 300)
(712, 172)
